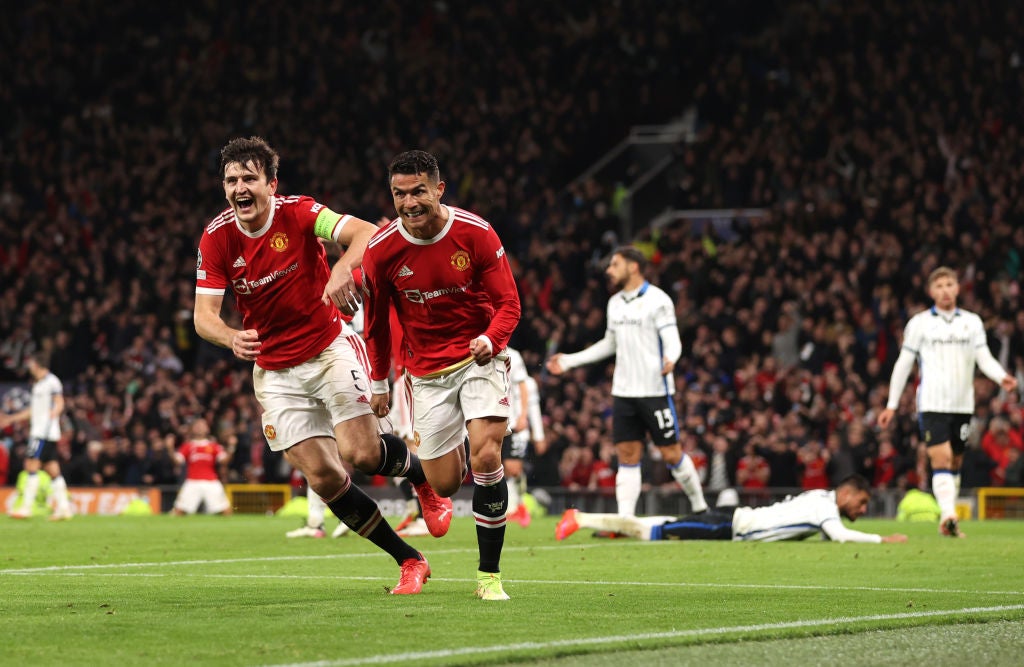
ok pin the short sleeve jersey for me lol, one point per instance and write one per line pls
(201, 458)
(277, 276)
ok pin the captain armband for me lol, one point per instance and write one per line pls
(328, 224)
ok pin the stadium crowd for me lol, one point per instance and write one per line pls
(883, 139)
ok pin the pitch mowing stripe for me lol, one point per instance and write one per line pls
(597, 641)
(70, 571)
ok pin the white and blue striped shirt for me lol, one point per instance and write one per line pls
(946, 347)
(641, 331)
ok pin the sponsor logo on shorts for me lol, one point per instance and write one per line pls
(270, 431)
(503, 401)
(416, 438)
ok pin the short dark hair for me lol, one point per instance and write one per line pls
(253, 150)
(632, 254)
(41, 357)
(856, 482)
(415, 162)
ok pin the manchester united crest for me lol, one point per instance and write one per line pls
(460, 260)
(270, 431)
(279, 241)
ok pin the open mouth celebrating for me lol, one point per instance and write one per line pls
(245, 204)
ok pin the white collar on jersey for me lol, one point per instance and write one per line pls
(265, 228)
(440, 235)
(947, 315)
(630, 296)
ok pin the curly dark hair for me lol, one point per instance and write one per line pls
(255, 151)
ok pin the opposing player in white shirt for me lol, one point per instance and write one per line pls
(642, 333)
(947, 343)
(795, 518)
(43, 415)
(525, 425)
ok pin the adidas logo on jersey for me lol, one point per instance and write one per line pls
(404, 272)
(239, 262)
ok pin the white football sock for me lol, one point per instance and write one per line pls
(638, 527)
(514, 500)
(315, 513)
(627, 488)
(59, 492)
(944, 490)
(686, 474)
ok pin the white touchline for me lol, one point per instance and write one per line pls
(254, 559)
(595, 641)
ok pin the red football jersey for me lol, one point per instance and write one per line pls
(201, 458)
(446, 291)
(277, 275)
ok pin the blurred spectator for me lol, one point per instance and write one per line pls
(814, 466)
(602, 473)
(1014, 475)
(84, 469)
(721, 465)
(976, 468)
(999, 440)
(111, 462)
(752, 471)
(577, 467)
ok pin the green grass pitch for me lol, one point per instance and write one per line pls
(234, 591)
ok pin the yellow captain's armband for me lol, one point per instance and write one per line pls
(326, 223)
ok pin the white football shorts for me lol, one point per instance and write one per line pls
(308, 400)
(208, 491)
(442, 405)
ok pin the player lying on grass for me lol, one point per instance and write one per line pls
(795, 518)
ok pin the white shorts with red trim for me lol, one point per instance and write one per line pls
(308, 400)
(443, 405)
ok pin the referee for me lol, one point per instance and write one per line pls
(946, 342)
(643, 335)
